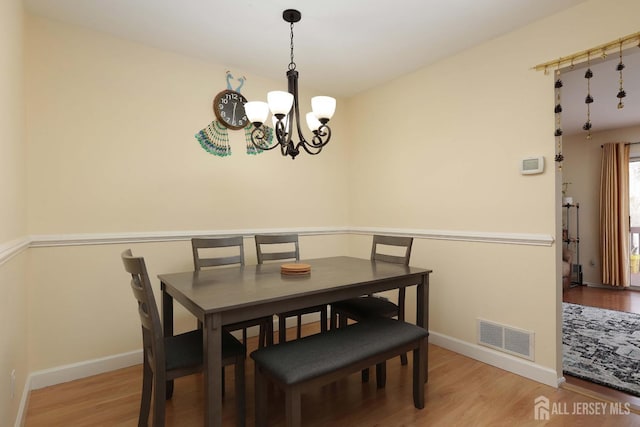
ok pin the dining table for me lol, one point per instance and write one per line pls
(222, 296)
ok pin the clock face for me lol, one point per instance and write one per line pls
(228, 106)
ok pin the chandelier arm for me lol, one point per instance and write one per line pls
(318, 140)
(306, 146)
(259, 134)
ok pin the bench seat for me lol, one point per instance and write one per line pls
(319, 359)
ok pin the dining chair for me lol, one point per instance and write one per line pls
(373, 305)
(286, 247)
(168, 358)
(202, 260)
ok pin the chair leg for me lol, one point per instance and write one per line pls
(342, 321)
(240, 391)
(160, 390)
(147, 390)
(261, 397)
(269, 333)
(262, 336)
(282, 329)
(222, 379)
(299, 331)
(333, 320)
(401, 304)
(323, 319)
(244, 336)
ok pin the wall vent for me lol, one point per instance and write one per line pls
(506, 339)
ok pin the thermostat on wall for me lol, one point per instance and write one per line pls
(532, 165)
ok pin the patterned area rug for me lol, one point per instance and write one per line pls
(602, 346)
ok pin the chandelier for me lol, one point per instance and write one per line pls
(285, 110)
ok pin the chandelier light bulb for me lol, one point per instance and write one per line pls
(257, 112)
(312, 122)
(323, 107)
(280, 102)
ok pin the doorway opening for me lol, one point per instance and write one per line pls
(634, 221)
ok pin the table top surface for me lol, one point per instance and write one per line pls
(228, 288)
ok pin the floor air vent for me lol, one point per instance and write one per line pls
(506, 339)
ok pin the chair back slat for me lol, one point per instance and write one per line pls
(152, 337)
(200, 261)
(277, 239)
(403, 242)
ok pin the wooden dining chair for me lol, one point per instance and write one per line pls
(202, 260)
(373, 305)
(286, 247)
(168, 358)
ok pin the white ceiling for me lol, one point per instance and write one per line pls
(342, 47)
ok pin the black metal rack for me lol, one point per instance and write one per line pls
(568, 239)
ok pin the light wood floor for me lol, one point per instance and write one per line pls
(611, 299)
(460, 392)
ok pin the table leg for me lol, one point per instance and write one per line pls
(212, 357)
(422, 313)
(167, 324)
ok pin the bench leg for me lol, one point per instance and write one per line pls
(293, 407)
(365, 375)
(381, 374)
(261, 396)
(419, 373)
(403, 359)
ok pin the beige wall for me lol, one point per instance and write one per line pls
(112, 147)
(82, 307)
(582, 169)
(110, 129)
(12, 152)
(13, 304)
(447, 158)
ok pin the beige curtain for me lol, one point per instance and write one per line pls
(614, 214)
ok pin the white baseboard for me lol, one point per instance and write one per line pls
(500, 360)
(61, 374)
(24, 404)
(74, 371)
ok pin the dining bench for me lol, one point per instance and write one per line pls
(300, 365)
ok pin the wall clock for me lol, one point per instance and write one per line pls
(228, 107)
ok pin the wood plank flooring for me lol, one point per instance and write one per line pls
(460, 392)
(610, 299)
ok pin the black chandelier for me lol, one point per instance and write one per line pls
(280, 103)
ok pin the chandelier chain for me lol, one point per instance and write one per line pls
(292, 65)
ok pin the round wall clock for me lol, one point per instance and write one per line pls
(228, 107)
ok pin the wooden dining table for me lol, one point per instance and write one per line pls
(218, 297)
